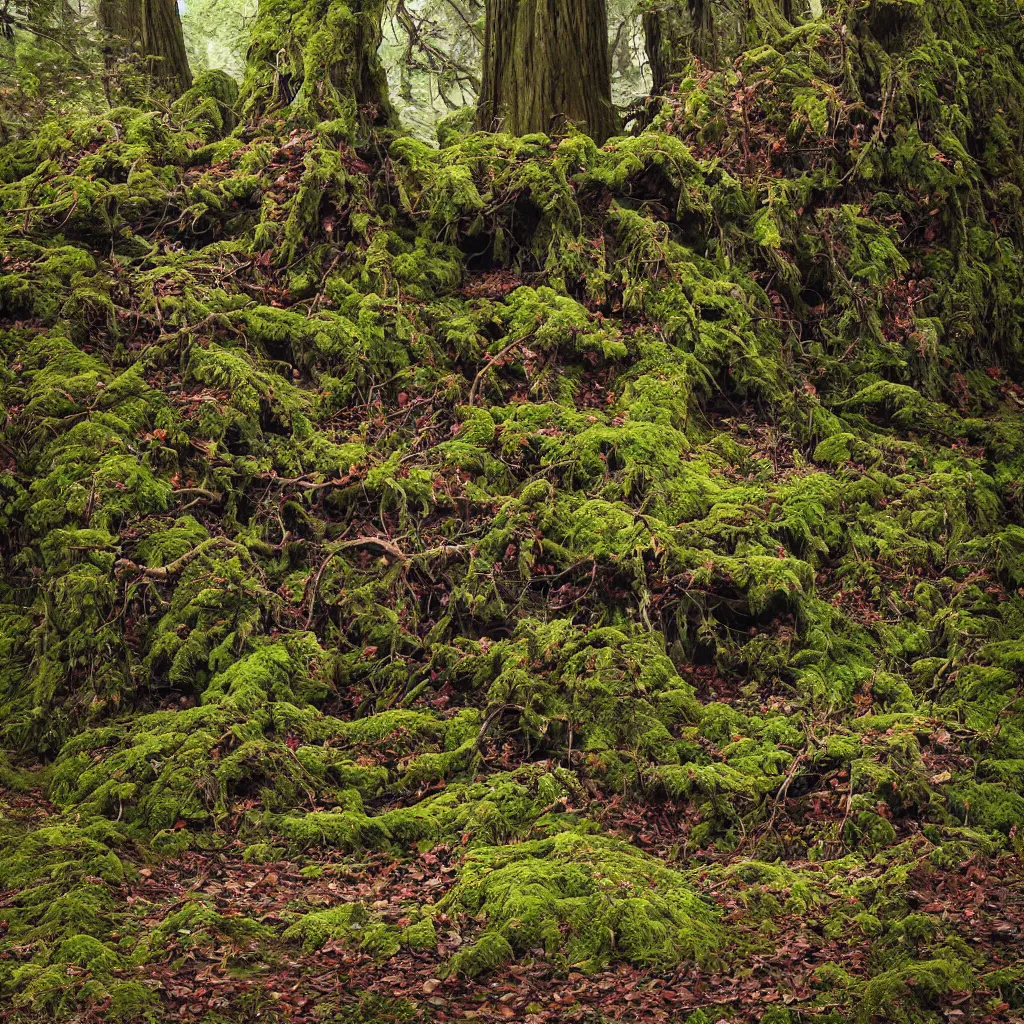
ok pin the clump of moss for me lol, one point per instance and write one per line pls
(195, 925)
(349, 923)
(586, 900)
(498, 809)
(461, 501)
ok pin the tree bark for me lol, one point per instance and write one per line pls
(316, 60)
(152, 30)
(674, 34)
(163, 43)
(120, 28)
(546, 64)
(120, 23)
(713, 32)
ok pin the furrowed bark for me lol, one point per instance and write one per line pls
(163, 43)
(546, 64)
(713, 33)
(152, 30)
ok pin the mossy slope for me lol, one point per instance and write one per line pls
(466, 499)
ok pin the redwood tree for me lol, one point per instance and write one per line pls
(163, 43)
(676, 32)
(546, 62)
(151, 29)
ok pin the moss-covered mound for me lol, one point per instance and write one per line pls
(516, 578)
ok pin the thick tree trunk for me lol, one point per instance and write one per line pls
(120, 23)
(120, 28)
(546, 63)
(163, 43)
(150, 29)
(316, 60)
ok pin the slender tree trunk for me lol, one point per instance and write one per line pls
(546, 63)
(711, 31)
(316, 60)
(152, 30)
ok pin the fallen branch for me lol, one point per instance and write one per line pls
(201, 491)
(310, 485)
(382, 544)
(490, 362)
(165, 572)
(489, 721)
(780, 796)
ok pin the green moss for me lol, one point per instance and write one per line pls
(85, 951)
(1009, 982)
(262, 853)
(524, 505)
(585, 900)
(902, 994)
(350, 923)
(196, 925)
(420, 934)
(319, 74)
(503, 807)
(213, 97)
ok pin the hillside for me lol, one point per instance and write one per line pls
(517, 579)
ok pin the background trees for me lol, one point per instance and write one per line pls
(713, 31)
(521, 65)
(420, 59)
(59, 57)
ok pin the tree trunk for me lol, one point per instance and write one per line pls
(546, 63)
(711, 31)
(120, 23)
(316, 60)
(163, 43)
(120, 28)
(673, 35)
(152, 30)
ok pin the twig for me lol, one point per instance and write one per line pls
(490, 362)
(489, 721)
(784, 788)
(201, 491)
(382, 544)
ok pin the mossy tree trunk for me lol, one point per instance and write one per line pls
(713, 32)
(152, 29)
(675, 33)
(315, 61)
(546, 62)
(120, 29)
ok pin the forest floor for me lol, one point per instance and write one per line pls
(518, 580)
